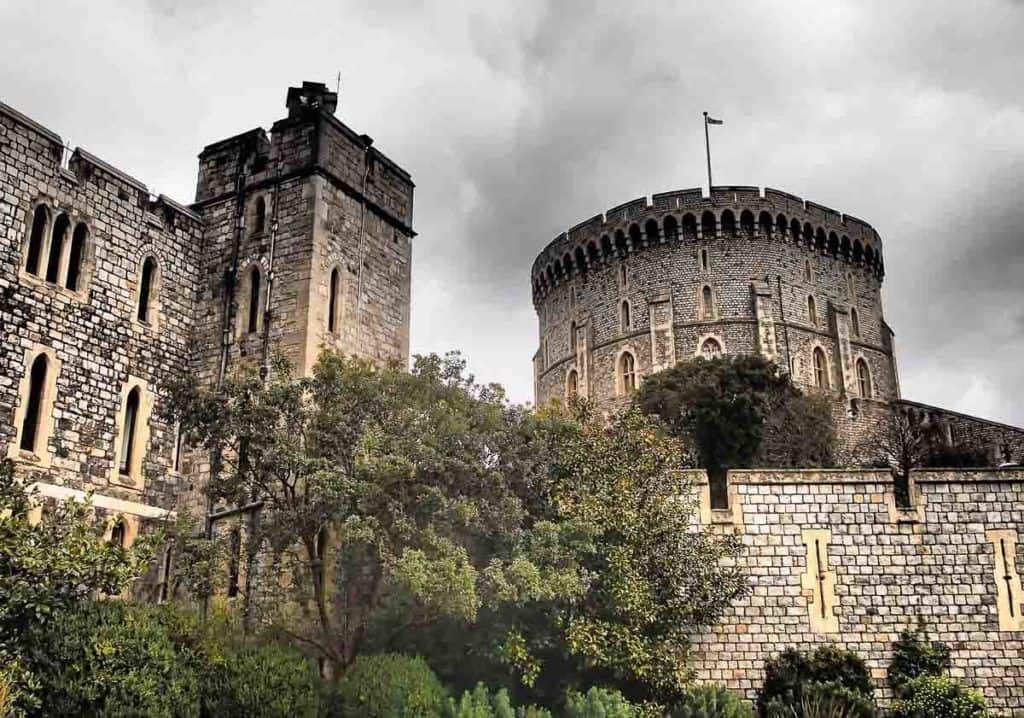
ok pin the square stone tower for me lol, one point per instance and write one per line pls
(307, 244)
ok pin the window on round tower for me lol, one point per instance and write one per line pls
(863, 379)
(627, 373)
(710, 348)
(820, 368)
(624, 316)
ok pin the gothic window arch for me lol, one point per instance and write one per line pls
(259, 216)
(812, 311)
(854, 322)
(129, 431)
(76, 258)
(706, 300)
(820, 365)
(707, 225)
(728, 223)
(253, 309)
(33, 415)
(572, 384)
(119, 534)
(710, 348)
(625, 318)
(37, 238)
(146, 305)
(572, 338)
(132, 437)
(864, 387)
(627, 374)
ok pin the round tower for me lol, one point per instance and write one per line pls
(648, 284)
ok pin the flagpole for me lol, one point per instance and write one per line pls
(707, 147)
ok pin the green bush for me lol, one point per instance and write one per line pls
(112, 659)
(913, 656)
(711, 702)
(937, 697)
(480, 703)
(788, 676)
(269, 680)
(387, 686)
(598, 703)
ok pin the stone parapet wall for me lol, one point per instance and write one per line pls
(832, 560)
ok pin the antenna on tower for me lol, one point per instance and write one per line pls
(337, 87)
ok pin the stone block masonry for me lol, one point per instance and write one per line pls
(832, 560)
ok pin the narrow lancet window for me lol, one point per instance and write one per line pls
(332, 304)
(35, 243)
(146, 282)
(254, 300)
(34, 406)
(131, 415)
(60, 230)
(75, 257)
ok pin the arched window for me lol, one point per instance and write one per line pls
(60, 231)
(40, 218)
(707, 224)
(624, 316)
(623, 277)
(621, 248)
(131, 417)
(332, 303)
(765, 223)
(260, 217)
(34, 405)
(689, 226)
(812, 311)
(728, 223)
(808, 273)
(863, 379)
(635, 237)
(707, 303)
(76, 257)
(854, 322)
(710, 348)
(593, 254)
(651, 230)
(572, 338)
(704, 260)
(747, 223)
(147, 287)
(254, 300)
(820, 369)
(780, 225)
(119, 534)
(572, 385)
(794, 229)
(581, 259)
(671, 227)
(627, 372)
(820, 240)
(606, 246)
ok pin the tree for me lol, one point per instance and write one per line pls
(735, 411)
(612, 507)
(384, 493)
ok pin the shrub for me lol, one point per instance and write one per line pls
(387, 686)
(268, 680)
(789, 675)
(937, 697)
(480, 703)
(711, 702)
(914, 656)
(598, 703)
(110, 659)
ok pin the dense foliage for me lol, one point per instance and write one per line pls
(599, 703)
(481, 703)
(711, 702)
(914, 656)
(401, 503)
(794, 679)
(936, 697)
(388, 686)
(740, 411)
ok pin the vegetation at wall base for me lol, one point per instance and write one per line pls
(914, 656)
(828, 675)
(711, 702)
(939, 697)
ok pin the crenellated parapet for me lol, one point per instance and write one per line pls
(729, 213)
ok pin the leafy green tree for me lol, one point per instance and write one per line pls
(599, 703)
(611, 507)
(385, 494)
(481, 703)
(735, 411)
(939, 697)
(829, 675)
(388, 686)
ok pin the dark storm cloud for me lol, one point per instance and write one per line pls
(517, 121)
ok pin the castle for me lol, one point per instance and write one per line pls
(300, 239)
(645, 285)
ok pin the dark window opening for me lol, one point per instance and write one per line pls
(35, 244)
(75, 257)
(235, 563)
(332, 304)
(119, 534)
(254, 300)
(60, 230)
(261, 216)
(34, 406)
(131, 414)
(146, 289)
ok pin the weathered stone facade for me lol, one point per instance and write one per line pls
(650, 283)
(284, 227)
(831, 559)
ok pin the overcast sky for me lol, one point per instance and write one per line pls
(518, 120)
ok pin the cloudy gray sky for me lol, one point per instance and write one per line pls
(520, 119)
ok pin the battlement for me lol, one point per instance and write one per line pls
(730, 211)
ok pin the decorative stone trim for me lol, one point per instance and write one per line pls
(1009, 595)
(818, 582)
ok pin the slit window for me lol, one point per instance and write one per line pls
(705, 262)
(332, 304)
(235, 563)
(260, 219)
(707, 303)
(131, 416)
(40, 218)
(254, 300)
(146, 290)
(34, 406)
(60, 231)
(812, 312)
(854, 322)
(624, 315)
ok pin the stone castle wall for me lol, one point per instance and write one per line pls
(761, 256)
(831, 560)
